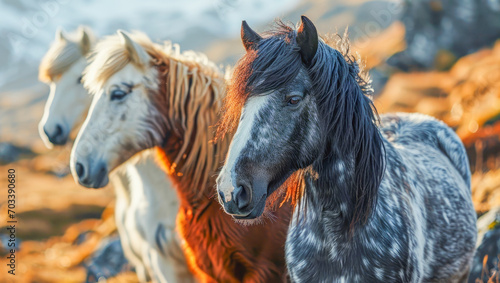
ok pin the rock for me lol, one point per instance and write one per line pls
(107, 261)
(489, 246)
(437, 31)
(4, 244)
(10, 153)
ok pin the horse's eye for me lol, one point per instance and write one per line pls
(79, 80)
(118, 94)
(294, 100)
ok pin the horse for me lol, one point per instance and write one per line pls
(151, 95)
(137, 184)
(61, 68)
(377, 198)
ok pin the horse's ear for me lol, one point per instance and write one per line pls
(85, 40)
(249, 37)
(60, 34)
(136, 53)
(307, 40)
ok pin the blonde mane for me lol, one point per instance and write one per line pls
(62, 54)
(194, 87)
(189, 96)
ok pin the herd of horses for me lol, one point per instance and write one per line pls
(315, 186)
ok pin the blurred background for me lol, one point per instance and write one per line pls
(437, 57)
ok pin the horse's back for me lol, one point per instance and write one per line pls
(437, 171)
(419, 128)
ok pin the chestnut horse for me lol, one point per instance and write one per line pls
(147, 95)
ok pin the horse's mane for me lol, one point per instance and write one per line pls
(62, 54)
(343, 92)
(189, 96)
(194, 88)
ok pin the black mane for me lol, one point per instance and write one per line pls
(349, 119)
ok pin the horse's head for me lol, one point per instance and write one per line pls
(279, 130)
(303, 104)
(122, 120)
(62, 68)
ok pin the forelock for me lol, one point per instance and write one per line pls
(109, 57)
(275, 63)
(61, 55)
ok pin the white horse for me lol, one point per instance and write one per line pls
(146, 224)
(61, 68)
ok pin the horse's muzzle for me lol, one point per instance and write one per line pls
(92, 174)
(240, 206)
(58, 135)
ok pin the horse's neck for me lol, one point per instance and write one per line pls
(149, 174)
(121, 184)
(155, 189)
(141, 182)
(168, 153)
(188, 195)
(324, 198)
(322, 211)
(332, 174)
(325, 192)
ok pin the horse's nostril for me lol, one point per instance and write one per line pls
(221, 196)
(58, 131)
(80, 170)
(242, 197)
(57, 136)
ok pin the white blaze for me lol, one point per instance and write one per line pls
(241, 138)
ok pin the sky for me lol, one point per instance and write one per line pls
(28, 27)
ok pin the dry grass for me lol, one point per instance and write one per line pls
(60, 258)
(489, 275)
(465, 97)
